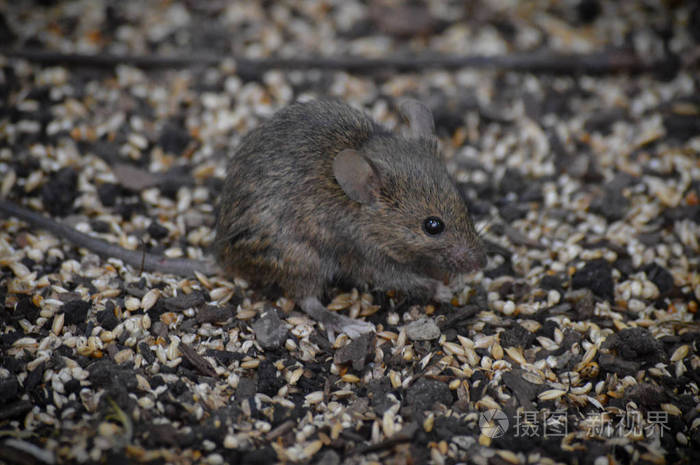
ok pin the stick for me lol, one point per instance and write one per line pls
(614, 61)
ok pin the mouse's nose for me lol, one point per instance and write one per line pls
(470, 258)
(480, 258)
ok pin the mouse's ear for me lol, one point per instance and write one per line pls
(356, 176)
(419, 117)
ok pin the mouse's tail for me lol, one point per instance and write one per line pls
(138, 259)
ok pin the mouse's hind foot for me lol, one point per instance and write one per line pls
(334, 322)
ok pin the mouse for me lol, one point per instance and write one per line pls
(318, 194)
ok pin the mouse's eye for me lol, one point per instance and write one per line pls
(433, 225)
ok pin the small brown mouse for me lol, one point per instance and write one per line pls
(320, 193)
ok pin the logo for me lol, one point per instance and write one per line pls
(493, 423)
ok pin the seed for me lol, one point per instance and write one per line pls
(484, 440)
(132, 304)
(25, 343)
(590, 370)
(315, 397)
(57, 325)
(173, 350)
(589, 355)
(671, 409)
(220, 293)
(203, 279)
(146, 321)
(487, 403)
(145, 402)
(250, 364)
(551, 394)
(107, 336)
(429, 422)
(508, 308)
(349, 378)
(313, 447)
(150, 299)
(168, 318)
(340, 302)
(395, 379)
(553, 297)
(508, 456)
(516, 354)
(680, 353)
(533, 377)
(8, 182)
(295, 375)
(123, 356)
(388, 424)
(453, 349)
(19, 269)
(497, 351)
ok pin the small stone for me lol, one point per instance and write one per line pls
(357, 352)
(214, 314)
(617, 365)
(636, 344)
(60, 191)
(201, 364)
(596, 275)
(659, 276)
(270, 330)
(100, 226)
(513, 181)
(584, 303)
(424, 329)
(682, 127)
(517, 336)
(9, 388)
(157, 231)
(146, 352)
(571, 337)
(247, 387)
(647, 395)
(329, 457)
(162, 435)
(602, 121)
(108, 193)
(525, 391)
(380, 397)
(15, 410)
(424, 393)
(551, 282)
(512, 212)
(610, 204)
(185, 301)
(76, 311)
(174, 137)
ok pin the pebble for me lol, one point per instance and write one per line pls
(270, 330)
(595, 275)
(424, 329)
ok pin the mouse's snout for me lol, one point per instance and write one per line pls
(469, 259)
(480, 258)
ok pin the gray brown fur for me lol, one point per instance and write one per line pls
(284, 218)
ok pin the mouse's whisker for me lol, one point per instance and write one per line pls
(483, 229)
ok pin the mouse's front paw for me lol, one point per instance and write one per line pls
(443, 294)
